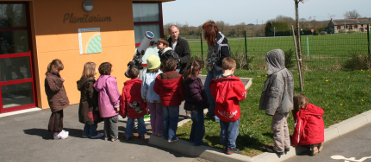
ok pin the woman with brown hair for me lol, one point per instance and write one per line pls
(217, 51)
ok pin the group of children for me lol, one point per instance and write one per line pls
(162, 89)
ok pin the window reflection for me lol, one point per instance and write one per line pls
(15, 68)
(15, 41)
(17, 95)
(12, 15)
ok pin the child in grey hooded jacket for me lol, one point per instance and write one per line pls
(277, 99)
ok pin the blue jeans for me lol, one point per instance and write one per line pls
(130, 126)
(90, 130)
(211, 75)
(229, 132)
(171, 117)
(198, 127)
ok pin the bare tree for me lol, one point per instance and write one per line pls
(351, 14)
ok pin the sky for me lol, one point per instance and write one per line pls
(196, 12)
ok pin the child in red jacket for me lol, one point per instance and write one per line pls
(227, 90)
(169, 86)
(133, 104)
(309, 125)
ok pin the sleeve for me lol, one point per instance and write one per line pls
(186, 55)
(225, 51)
(195, 92)
(181, 88)
(54, 84)
(240, 91)
(123, 111)
(274, 97)
(213, 89)
(113, 92)
(91, 94)
(156, 87)
(144, 88)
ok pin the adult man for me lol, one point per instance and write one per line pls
(180, 46)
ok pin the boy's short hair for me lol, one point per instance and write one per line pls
(163, 41)
(300, 100)
(105, 68)
(169, 64)
(228, 63)
(133, 72)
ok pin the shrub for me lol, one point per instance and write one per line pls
(241, 61)
(358, 62)
(289, 63)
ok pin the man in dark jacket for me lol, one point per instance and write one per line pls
(180, 46)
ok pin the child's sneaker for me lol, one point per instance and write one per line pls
(56, 136)
(141, 137)
(232, 150)
(99, 135)
(320, 147)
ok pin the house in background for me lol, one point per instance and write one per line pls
(348, 25)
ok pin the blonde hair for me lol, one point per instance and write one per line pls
(89, 70)
(228, 63)
(56, 63)
(300, 100)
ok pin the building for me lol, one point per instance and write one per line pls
(34, 32)
(348, 25)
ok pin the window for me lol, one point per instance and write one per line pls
(147, 17)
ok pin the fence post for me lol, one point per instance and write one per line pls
(368, 38)
(246, 50)
(202, 48)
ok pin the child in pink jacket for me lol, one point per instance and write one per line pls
(108, 101)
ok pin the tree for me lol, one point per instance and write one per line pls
(351, 14)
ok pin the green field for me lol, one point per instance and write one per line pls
(326, 52)
(341, 94)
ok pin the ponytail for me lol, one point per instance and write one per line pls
(56, 63)
(191, 69)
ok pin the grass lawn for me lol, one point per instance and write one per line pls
(325, 52)
(340, 94)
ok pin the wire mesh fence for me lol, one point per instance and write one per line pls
(319, 52)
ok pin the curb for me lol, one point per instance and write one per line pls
(19, 112)
(213, 154)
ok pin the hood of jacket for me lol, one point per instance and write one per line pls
(82, 81)
(225, 88)
(167, 79)
(275, 60)
(101, 82)
(132, 81)
(313, 110)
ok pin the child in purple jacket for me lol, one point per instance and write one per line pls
(195, 101)
(108, 101)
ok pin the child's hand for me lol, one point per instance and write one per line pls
(62, 79)
(144, 100)
(117, 109)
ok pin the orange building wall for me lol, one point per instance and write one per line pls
(55, 39)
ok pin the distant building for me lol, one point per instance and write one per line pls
(346, 25)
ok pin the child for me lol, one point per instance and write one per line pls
(133, 104)
(169, 86)
(57, 98)
(88, 107)
(108, 100)
(166, 52)
(195, 101)
(227, 90)
(309, 125)
(149, 96)
(276, 99)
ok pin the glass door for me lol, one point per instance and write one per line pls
(17, 90)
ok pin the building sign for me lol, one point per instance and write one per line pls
(89, 40)
(86, 18)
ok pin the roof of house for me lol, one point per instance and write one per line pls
(350, 21)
